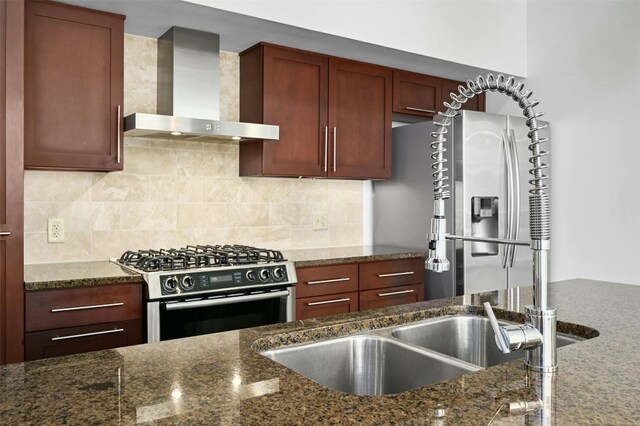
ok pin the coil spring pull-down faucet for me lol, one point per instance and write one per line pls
(538, 334)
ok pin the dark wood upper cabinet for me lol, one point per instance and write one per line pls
(359, 120)
(288, 88)
(73, 88)
(416, 94)
(11, 181)
(334, 115)
(477, 103)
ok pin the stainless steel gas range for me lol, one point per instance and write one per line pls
(211, 288)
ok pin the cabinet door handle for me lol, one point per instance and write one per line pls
(420, 110)
(394, 293)
(119, 130)
(347, 299)
(335, 280)
(395, 274)
(95, 333)
(334, 148)
(80, 308)
(326, 148)
(5, 233)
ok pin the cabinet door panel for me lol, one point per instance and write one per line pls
(324, 306)
(74, 340)
(391, 273)
(324, 280)
(380, 298)
(74, 88)
(359, 120)
(295, 98)
(82, 306)
(416, 94)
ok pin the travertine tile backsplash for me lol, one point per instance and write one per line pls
(173, 193)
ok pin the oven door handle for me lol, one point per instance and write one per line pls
(225, 301)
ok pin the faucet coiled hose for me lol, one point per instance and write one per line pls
(539, 208)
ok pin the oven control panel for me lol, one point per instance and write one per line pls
(228, 278)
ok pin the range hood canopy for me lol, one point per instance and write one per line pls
(189, 94)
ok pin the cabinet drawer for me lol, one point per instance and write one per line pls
(380, 298)
(324, 306)
(416, 94)
(82, 306)
(323, 280)
(391, 273)
(74, 340)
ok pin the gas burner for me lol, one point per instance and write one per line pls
(198, 256)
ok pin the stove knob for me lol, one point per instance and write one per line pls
(264, 275)
(170, 284)
(251, 275)
(187, 283)
(278, 273)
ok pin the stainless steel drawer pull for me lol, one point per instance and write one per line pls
(326, 148)
(335, 280)
(95, 333)
(329, 301)
(395, 274)
(420, 109)
(5, 234)
(393, 293)
(80, 308)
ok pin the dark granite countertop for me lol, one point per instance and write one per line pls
(222, 379)
(48, 276)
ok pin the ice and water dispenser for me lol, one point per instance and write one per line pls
(484, 223)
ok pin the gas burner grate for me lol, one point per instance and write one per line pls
(198, 256)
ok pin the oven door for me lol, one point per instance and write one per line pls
(184, 318)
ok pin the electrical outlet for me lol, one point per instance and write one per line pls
(55, 230)
(320, 220)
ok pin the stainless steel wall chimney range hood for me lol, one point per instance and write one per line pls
(189, 94)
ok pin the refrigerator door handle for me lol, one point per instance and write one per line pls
(509, 158)
(516, 194)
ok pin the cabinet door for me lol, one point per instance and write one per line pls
(324, 280)
(416, 94)
(75, 340)
(73, 88)
(391, 273)
(380, 298)
(359, 120)
(294, 96)
(324, 306)
(82, 306)
(11, 181)
(477, 103)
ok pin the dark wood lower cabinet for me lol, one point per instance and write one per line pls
(383, 297)
(324, 306)
(74, 340)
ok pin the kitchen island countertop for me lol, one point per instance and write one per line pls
(222, 379)
(47, 276)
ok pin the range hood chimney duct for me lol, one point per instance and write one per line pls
(188, 103)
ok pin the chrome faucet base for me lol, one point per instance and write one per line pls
(542, 358)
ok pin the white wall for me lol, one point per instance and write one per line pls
(487, 34)
(584, 64)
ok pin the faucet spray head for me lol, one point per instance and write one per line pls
(437, 260)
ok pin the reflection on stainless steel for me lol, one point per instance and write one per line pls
(368, 365)
(543, 356)
(540, 411)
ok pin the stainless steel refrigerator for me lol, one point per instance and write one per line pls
(488, 160)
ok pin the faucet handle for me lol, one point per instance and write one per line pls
(513, 337)
(501, 340)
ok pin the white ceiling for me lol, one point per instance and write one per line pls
(151, 18)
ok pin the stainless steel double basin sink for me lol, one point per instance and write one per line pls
(400, 358)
